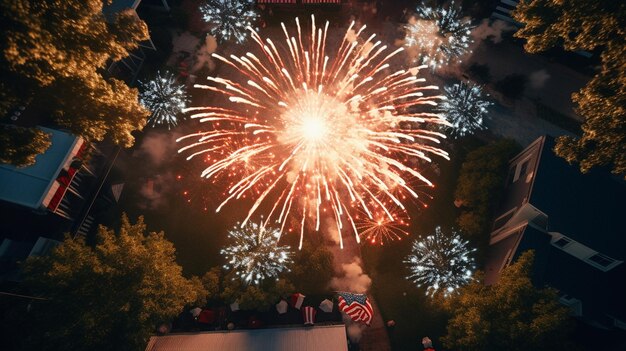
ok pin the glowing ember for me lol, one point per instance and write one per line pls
(324, 135)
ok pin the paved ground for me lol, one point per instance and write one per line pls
(549, 82)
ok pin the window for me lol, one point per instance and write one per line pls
(510, 176)
(562, 242)
(601, 260)
(524, 168)
(502, 220)
(521, 169)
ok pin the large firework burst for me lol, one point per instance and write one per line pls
(229, 18)
(165, 98)
(324, 135)
(254, 253)
(438, 34)
(464, 107)
(441, 262)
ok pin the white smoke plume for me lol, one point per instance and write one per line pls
(352, 278)
(354, 330)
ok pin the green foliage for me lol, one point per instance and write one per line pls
(55, 51)
(312, 258)
(111, 295)
(587, 25)
(252, 297)
(19, 146)
(481, 177)
(211, 281)
(511, 315)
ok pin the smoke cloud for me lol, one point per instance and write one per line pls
(203, 55)
(354, 330)
(490, 30)
(158, 147)
(538, 79)
(155, 189)
(352, 278)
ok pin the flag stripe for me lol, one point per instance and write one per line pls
(350, 304)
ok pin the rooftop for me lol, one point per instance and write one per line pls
(27, 186)
(317, 338)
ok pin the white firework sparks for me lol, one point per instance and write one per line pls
(165, 98)
(254, 253)
(441, 262)
(465, 108)
(438, 35)
(324, 135)
(229, 18)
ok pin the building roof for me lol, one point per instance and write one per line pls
(317, 338)
(117, 6)
(588, 208)
(27, 186)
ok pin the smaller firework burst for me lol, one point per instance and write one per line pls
(438, 34)
(440, 262)
(465, 108)
(254, 253)
(165, 98)
(229, 18)
(382, 224)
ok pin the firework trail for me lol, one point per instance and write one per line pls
(323, 134)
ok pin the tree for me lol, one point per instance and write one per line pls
(54, 52)
(110, 295)
(255, 297)
(20, 146)
(511, 314)
(211, 281)
(587, 25)
(482, 175)
(312, 269)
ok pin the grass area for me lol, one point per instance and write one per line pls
(415, 314)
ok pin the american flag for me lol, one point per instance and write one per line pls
(356, 306)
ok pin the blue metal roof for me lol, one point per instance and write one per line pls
(28, 186)
(116, 6)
